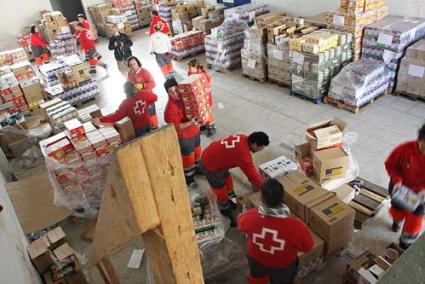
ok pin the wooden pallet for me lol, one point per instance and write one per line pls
(368, 202)
(279, 83)
(316, 101)
(353, 109)
(209, 66)
(409, 96)
(181, 58)
(261, 80)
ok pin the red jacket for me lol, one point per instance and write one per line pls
(174, 113)
(86, 25)
(274, 241)
(37, 40)
(157, 20)
(86, 40)
(135, 108)
(231, 152)
(406, 164)
(143, 76)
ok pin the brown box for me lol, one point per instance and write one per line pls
(19, 147)
(326, 133)
(56, 237)
(40, 254)
(317, 252)
(125, 129)
(339, 241)
(302, 151)
(345, 192)
(64, 251)
(80, 72)
(330, 164)
(33, 93)
(331, 217)
(92, 110)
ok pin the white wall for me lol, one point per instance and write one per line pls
(15, 265)
(16, 14)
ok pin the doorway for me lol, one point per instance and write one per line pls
(69, 8)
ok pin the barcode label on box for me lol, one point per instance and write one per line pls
(385, 39)
(120, 26)
(338, 21)
(251, 63)
(416, 71)
(388, 56)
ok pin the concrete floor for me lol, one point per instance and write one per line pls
(243, 106)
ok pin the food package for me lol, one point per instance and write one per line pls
(187, 44)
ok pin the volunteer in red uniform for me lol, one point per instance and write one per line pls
(406, 166)
(135, 107)
(187, 131)
(157, 20)
(88, 45)
(144, 83)
(273, 238)
(231, 152)
(196, 68)
(38, 47)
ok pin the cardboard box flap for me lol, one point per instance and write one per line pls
(64, 251)
(324, 133)
(341, 124)
(38, 247)
(56, 235)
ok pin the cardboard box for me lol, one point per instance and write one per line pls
(40, 254)
(339, 241)
(125, 129)
(326, 134)
(19, 147)
(314, 254)
(345, 192)
(74, 128)
(330, 164)
(56, 237)
(278, 167)
(93, 110)
(331, 217)
(64, 251)
(33, 93)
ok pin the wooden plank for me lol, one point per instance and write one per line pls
(374, 188)
(107, 271)
(164, 165)
(361, 208)
(367, 202)
(373, 196)
(88, 233)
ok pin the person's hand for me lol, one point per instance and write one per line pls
(116, 44)
(96, 120)
(396, 187)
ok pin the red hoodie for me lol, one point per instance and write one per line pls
(143, 76)
(157, 20)
(274, 241)
(37, 40)
(406, 164)
(135, 108)
(231, 152)
(174, 113)
(86, 40)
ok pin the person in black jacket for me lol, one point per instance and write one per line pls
(120, 43)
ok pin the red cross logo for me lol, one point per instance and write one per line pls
(231, 141)
(270, 237)
(140, 107)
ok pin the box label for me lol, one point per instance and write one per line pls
(278, 54)
(388, 56)
(251, 64)
(120, 26)
(298, 58)
(338, 20)
(385, 40)
(416, 71)
(334, 171)
(333, 210)
(304, 189)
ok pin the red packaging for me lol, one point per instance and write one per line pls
(59, 149)
(74, 128)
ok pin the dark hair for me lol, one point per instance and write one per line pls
(32, 30)
(134, 58)
(170, 83)
(272, 192)
(421, 133)
(155, 12)
(195, 63)
(259, 138)
(80, 15)
(80, 25)
(157, 27)
(129, 88)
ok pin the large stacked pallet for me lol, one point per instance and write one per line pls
(105, 17)
(187, 44)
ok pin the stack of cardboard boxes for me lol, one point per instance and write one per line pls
(411, 75)
(129, 10)
(57, 112)
(315, 59)
(144, 12)
(64, 44)
(100, 14)
(182, 15)
(354, 16)
(195, 91)
(247, 12)
(187, 44)
(55, 259)
(211, 16)
(10, 57)
(52, 24)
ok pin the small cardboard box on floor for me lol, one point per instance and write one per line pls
(330, 164)
(326, 133)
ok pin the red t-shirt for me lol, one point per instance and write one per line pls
(174, 113)
(135, 108)
(143, 76)
(406, 164)
(231, 152)
(274, 241)
(158, 20)
(86, 40)
(37, 40)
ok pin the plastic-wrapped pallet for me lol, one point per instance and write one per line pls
(247, 12)
(64, 44)
(388, 39)
(278, 63)
(411, 75)
(223, 46)
(359, 82)
(253, 54)
(187, 44)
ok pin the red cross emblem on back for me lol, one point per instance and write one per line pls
(268, 241)
(231, 141)
(140, 107)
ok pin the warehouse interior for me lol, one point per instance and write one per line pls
(134, 233)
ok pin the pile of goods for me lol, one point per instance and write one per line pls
(182, 15)
(57, 112)
(64, 44)
(388, 39)
(55, 260)
(164, 11)
(144, 12)
(211, 16)
(128, 9)
(68, 78)
(354, 15)
(359, 82)
(315, 59)
(187, 44)
(24, 41)
(247, 12)
(52, 24)
(411, 75)
(195, 91)
(106, 17)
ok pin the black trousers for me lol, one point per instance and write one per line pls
(284, 275)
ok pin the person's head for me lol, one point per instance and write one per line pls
(171, 87)
(421, 139)
(194, 65)
(134, 63)
(157, 27)
(79, 27)
(116, 30)
(129, 89)
(34, 29)
(154, 13)
(80, 18)
(272, 193)
(257, 141)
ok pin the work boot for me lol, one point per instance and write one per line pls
(228, 212)
(211, 131)
(396, 227)
(92, 71)
(403, 245)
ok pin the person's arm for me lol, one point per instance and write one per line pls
(149, 82)
(304, 240)
(248, 168)
(112, 42)
(392, 165)
(173, 117)
(119, 114)
(150, 98)
(127, 41)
